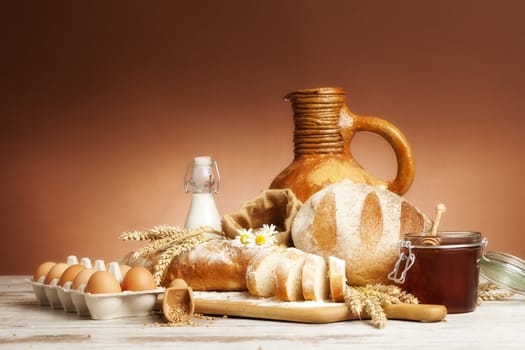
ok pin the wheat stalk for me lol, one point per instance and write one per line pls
(160, 232)
(151, 248)
(489, 291)
(167, 242)
(392, 294)
(164, 261)
(354, 300)
(135, 236)
(374, 307)
(372, 298)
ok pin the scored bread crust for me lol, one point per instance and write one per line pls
(288, 275)
(315, 278)
(337, 278)
(260, 272)
(361, 224)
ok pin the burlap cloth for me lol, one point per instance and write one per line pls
(277, 207)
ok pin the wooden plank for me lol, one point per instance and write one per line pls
(24, 324)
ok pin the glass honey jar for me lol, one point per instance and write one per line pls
(441, 269)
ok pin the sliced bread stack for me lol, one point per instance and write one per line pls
(293, 275)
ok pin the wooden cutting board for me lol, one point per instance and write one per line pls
(242, 304)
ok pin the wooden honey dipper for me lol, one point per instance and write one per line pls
(432, 239)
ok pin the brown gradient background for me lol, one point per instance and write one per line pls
(104, 103)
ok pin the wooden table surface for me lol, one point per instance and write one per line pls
(24, 324)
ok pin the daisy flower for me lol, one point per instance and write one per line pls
(244, 238)
(265, 236)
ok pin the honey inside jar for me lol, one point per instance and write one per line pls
(445, 269)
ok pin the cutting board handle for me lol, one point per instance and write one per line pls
(415, 312)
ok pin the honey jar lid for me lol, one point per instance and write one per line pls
(505, 270)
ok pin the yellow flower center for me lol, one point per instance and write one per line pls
(260, 240)
(245, 238)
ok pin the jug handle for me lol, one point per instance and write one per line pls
(396, 139)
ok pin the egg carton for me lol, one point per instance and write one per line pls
(46, 294)
(97, 306)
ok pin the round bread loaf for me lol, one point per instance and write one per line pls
(360, 224)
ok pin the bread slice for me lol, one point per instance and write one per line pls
(260, 272)
(337, 278)
(315, 278)
(288, 275)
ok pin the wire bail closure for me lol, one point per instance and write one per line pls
(409, 260)
(398, 275)
(202, 175)
(484, 243)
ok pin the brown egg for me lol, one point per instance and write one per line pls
(103, 282)
(43, 270)
(82, 278)
(70, 273)
(138, 278)
(124, 270)
(55, 272)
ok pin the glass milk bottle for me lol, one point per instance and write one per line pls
(202, 180)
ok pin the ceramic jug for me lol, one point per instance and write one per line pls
(324, 128)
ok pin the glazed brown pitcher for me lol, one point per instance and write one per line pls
(324, 128)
